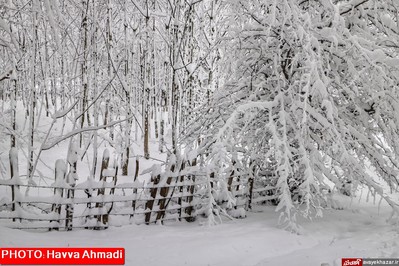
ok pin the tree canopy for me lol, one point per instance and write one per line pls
(311, 96)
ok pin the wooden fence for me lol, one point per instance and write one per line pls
(173, 194)
(93, 204)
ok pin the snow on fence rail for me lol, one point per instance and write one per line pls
(174, 194)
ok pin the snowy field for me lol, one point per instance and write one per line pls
(361, 230)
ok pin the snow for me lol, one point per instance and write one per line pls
(73, 154)
(377, 55)
(109, 172)
(192, 67)
(392, 62)
(60, 171)
(4, 25)
(359, 230)
(348, 229)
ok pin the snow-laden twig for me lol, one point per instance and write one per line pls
(241, 109)
(47, 146)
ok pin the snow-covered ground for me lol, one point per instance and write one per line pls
(359, 230)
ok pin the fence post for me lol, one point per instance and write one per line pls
(251, 183)
(71, 180)
(136, 174)
(164, 191)
(163, 203)
(181, 189)
(231, 177)
(13, 156)
(59, 177)
(101, 191)
(250, 195)
(111, 192)
(190, 198)
(155, 178)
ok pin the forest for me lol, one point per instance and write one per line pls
(294, 99)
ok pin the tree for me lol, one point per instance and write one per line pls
(311, 97)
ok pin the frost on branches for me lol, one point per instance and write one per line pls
(311, 98)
